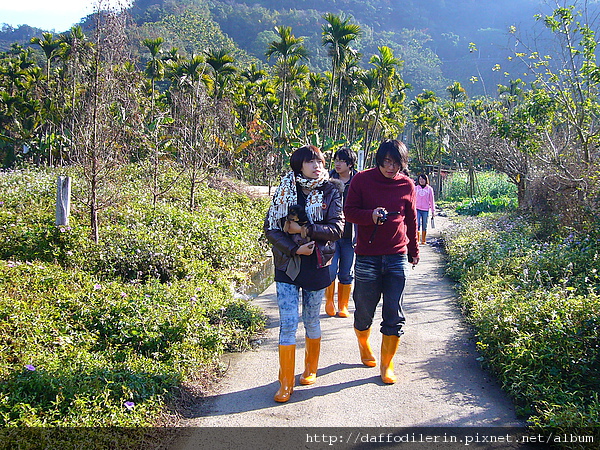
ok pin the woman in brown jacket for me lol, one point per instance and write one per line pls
(301, 254)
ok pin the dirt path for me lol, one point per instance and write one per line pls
(440, 382)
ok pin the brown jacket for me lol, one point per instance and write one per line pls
(324, 232)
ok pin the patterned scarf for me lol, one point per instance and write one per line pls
(286, 195)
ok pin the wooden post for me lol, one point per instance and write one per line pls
(63, 200)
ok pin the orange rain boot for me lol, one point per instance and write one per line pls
(343, 297)
(389, 346)
(311, 361)
(287, 360)
(423, 237)
(329, 305)
(366, 353)
(418, 236)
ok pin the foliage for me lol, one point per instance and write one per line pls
(542, 134)
(88, 328)
(431, 36)
(534, 300)
(488, 184)
(481, 205)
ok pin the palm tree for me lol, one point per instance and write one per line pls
(385, 65)
(248, 99)
(50, 47)
(187, 72)
(511, 94)
(338, 34)
(348, 85)
(424, 121)
(317, 83)
(350, 90)
(75, 50)
(289, 50)
(456, 92)
(253, 74)
(221, 63)
(155, 68)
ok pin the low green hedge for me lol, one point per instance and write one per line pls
(535, 305)
(75, 350)
(479, 205)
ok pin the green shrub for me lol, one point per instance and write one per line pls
(479, 205)
(137, 241)
(535, 306)
(102, 334)
(96, 345)
(488, 184)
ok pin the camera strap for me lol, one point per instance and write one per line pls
(373, 233)
(395, 213)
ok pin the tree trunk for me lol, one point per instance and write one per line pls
(521, 192)
(94, 212)
(472, 181)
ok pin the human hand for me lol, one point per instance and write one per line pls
(292, 227)
(378, 214)
(306, 249)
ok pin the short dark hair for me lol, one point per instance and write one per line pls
(397, 151)
(304, 154)
(425, 177)
(347, 155)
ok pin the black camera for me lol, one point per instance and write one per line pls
(384, 216)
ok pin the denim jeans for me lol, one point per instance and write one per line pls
(342, 262)
(288, 299)
(422, 217)
(376, 276)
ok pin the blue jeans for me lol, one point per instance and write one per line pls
(376, 276)
(288, 299)
(422, 217)
(343, 259)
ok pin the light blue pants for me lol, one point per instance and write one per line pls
(288, 299)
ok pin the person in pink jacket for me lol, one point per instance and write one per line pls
(425, 203)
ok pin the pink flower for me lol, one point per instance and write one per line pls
(129, 405)
(30, 367)
(97, 287)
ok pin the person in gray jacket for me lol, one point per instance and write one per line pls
(301, 255)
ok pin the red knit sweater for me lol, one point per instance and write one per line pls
(370, 189)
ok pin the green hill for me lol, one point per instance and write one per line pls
(431, 36)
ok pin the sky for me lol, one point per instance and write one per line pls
(57, 15)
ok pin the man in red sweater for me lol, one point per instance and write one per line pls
(381, 201)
